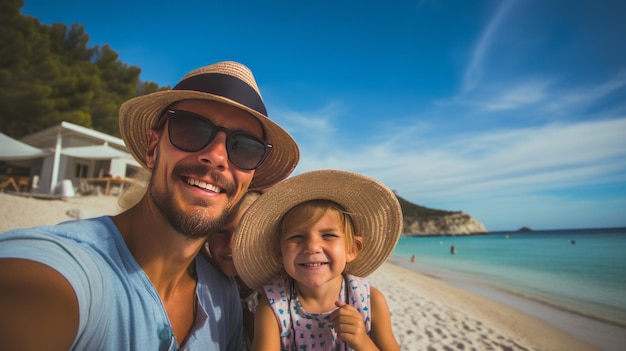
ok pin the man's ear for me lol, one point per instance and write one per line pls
(151, 149)
(356, 248)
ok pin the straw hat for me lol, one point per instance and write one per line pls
(374, 209)
(228, 82)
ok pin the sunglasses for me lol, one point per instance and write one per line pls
(191, 132)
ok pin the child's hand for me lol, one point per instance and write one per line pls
(350, 327)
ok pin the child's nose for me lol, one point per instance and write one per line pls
(312, 246)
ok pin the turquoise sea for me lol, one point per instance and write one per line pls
(581, 270)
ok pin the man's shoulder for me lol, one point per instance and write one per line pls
(76, 228)
(76, 239)
(209, 274)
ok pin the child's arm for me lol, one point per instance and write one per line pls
(350, 328)
(382, 334)
(266, 332)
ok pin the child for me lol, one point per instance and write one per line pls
(306, 243)
(218, 250)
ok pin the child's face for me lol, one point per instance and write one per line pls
(316, 254)
(220, 246)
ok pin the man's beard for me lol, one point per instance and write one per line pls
(194, 223)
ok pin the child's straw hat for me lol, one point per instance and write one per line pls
(373, 207)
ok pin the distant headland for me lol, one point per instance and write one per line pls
(423, 221)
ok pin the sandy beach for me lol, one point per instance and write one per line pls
(427, 313)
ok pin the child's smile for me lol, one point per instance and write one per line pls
(316, 254)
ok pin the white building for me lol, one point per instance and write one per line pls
(67, 154)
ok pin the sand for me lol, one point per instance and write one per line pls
(427, 313)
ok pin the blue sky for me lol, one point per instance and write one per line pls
(511, 111)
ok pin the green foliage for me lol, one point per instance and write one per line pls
(48, 74)
(411, 210)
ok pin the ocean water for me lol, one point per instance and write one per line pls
(582, 271)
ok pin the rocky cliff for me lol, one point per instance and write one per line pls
(456, 223)
(419, 220)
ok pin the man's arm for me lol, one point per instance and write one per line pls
(39, 309)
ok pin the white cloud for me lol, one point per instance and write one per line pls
(586, 96)
(516, 161)
(511, 87)
(496, 176)
(541, 99)
(513, 97)
(474, 71)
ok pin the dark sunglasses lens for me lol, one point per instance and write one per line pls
(245, 151)
(190, 133)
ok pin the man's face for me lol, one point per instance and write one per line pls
(195, 190)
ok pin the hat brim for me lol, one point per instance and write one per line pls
(374, 209)
(138, 115)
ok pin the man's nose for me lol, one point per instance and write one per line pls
(215, 153)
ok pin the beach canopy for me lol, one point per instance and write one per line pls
(11, 149)
(95, 152)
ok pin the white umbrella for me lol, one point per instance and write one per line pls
(95, 152)
(11, 149)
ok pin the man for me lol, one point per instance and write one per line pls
(134, 281)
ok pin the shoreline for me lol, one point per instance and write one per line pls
(500, 292)
(601, 333)
(442, 316)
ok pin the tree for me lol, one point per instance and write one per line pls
(48, 74)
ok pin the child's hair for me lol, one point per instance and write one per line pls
(308, 213)
(135, 191)
(245, 202)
